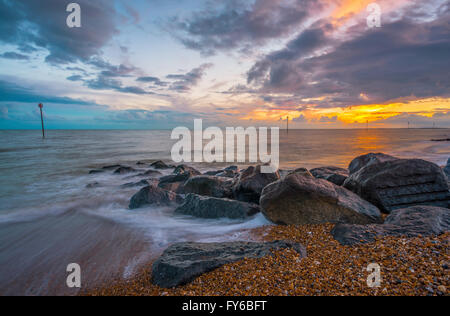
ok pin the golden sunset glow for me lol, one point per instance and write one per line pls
(358, 113)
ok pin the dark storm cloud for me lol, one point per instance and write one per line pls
(14, 55)
(153, 80)
(42, 24)
(10, 92)
(239, 24)
(108, 83)
(184, 82)
(400, 59)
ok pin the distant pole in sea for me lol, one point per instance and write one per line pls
(42, 119)
(287, 124)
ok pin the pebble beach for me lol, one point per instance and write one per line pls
(409, 266)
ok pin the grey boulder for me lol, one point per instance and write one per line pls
(367, 160)
(208, 186)
(153, 195)
(301, 199)
(401, 183)
(335, 175)
(209, 207)
(174, 182)
(184, 169)
(410, 222)
(251, 182)
(181, 263)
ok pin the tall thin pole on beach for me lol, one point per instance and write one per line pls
(42, 120)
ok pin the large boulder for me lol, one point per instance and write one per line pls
(251, 182)
(410, 222)
(174, 182)
(209, 207)
(301, 199)
(335, 175)
(401, 183)
(153, 195)
(184, 169)
(209, 186)
(367, 160)
(182, 263)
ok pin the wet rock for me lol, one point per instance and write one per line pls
(208, 186)
(301, 199)
(229, 172)
(97, 171)
(160, 165)
(124, 170)
(181, 263)
(153, 195)
(174, 182)
(135, 184)
(335, 175)
(210, 207)
(367, 160)
(409, 222)
(184, 169)
(401, 183)
(111, 167)
(150, 173)
(251, 182)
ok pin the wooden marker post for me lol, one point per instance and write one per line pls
(42, 119)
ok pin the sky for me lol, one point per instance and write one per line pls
(160, 64)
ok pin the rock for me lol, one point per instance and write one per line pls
(301, 199)
(447, 170)
(92, 185)
(96, 171)
(160, 165)
(174, 182)
(401, 183)
(251, 182)
(210, 207)
(124, 170)
(150, 173)
(229, 172)
(209, 186)
(110, 167)
(181, 263)
(184, 169)
(367, 160)
(333, 174)
(135, 184)
(409, 222)
(153, 195)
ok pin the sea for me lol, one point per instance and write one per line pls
(51, 214)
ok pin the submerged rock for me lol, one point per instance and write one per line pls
(181, 263)
(153, 195)
(96, 171)
(124, 170)
(210, 207)
(401, 183)
(251, 182)
(150, 173)
(135, 184)
(92, 185)
(301, 199)
(209, 186)
(160, 165)
(335, 175)
(410, 222)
